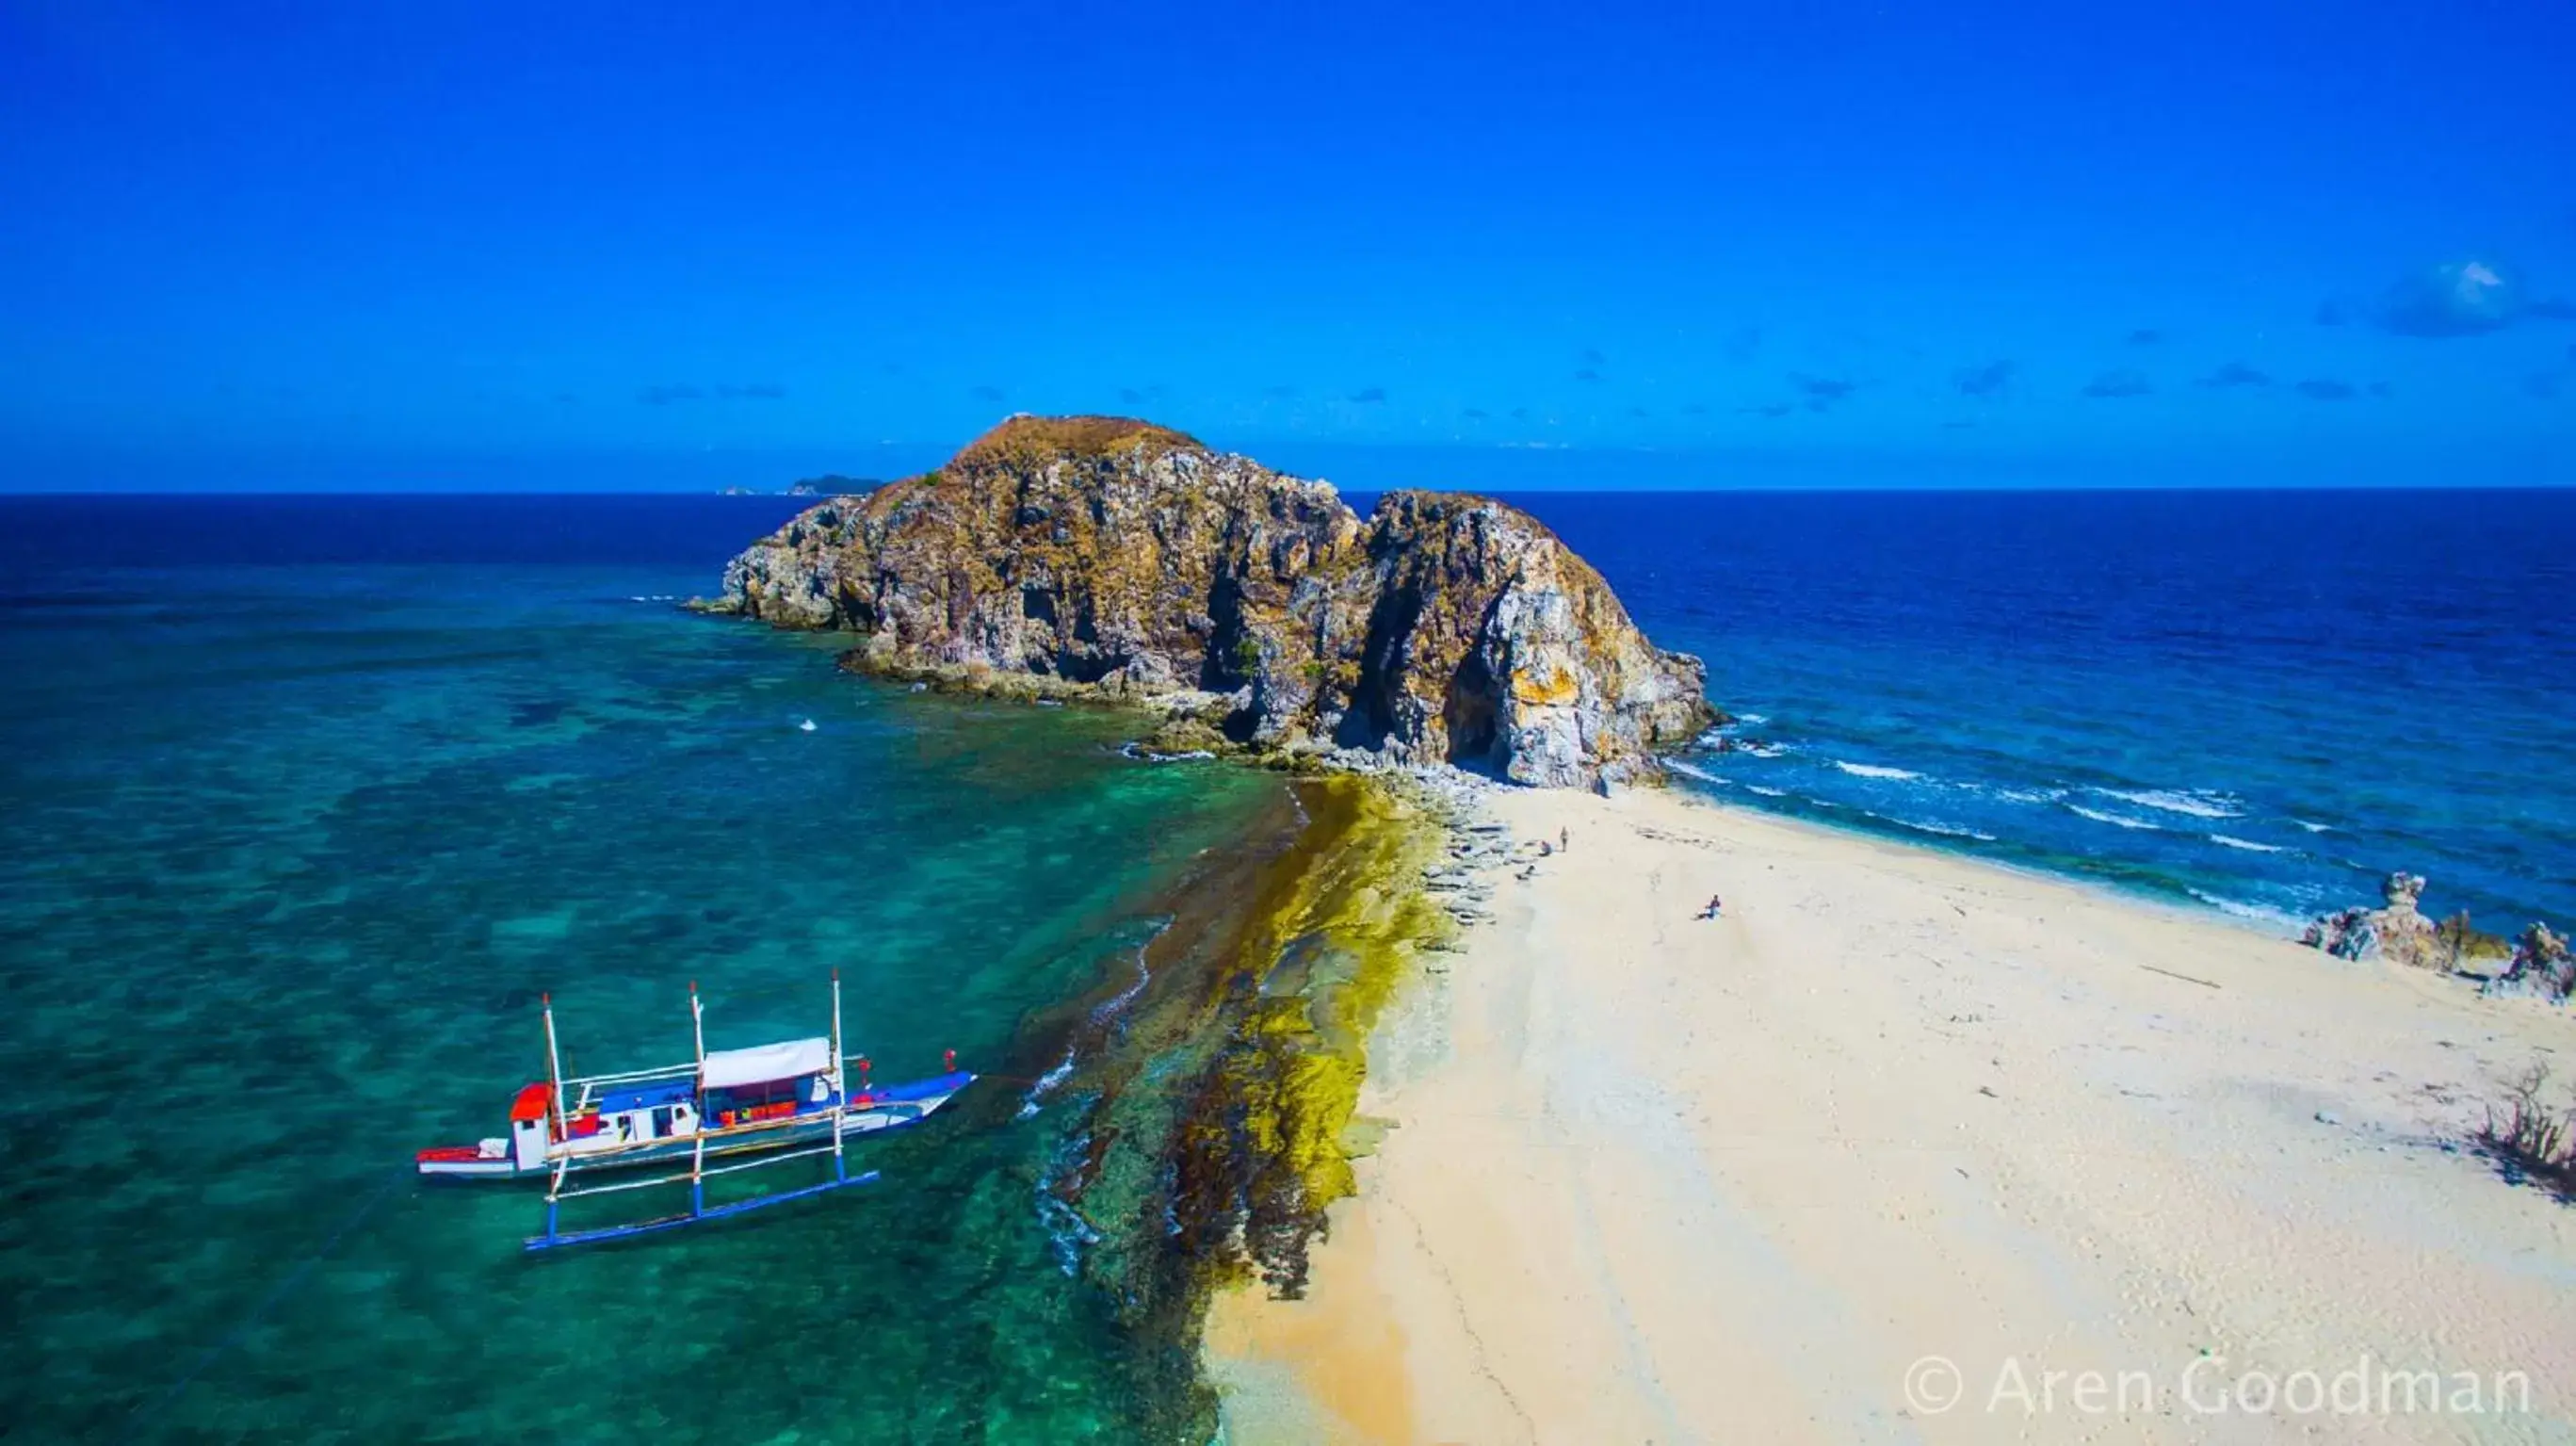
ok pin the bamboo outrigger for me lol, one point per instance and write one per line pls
(752, 1107)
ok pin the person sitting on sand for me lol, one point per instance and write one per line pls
(1714, 904)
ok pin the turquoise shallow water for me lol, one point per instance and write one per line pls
(294, 846)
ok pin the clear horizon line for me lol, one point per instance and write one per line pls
(139, 494)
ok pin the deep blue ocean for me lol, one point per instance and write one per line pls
(308, 797)
(2260, 701)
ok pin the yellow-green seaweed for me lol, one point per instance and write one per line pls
(1264, 1150)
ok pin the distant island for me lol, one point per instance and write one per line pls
(830, 484)
(1078, 557)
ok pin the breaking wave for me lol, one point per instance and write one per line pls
(2198, 804)
(2247, 844)
(1046, 1084)
(1873, 770)
(1069, 1235)
(1702, 774)
(1137, 751)
(2120, 819)
(2261, 913)
(1103, 1017)
(1116, 1004)
(1945, 830)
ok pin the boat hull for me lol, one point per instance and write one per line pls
(892, 1108)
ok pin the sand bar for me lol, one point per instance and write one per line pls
(1659, 1179)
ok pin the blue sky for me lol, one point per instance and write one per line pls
(641, 245)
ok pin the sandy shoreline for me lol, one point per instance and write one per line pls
(1654, 1179)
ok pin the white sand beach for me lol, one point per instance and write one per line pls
(1900, 1119)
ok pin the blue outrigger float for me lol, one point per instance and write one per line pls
(748, 1108)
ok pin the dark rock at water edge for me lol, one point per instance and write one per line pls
(2542, 968)
(2396, 930)
(2401, 932)
(1107, 558)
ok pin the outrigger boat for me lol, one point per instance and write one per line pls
(749, 1108)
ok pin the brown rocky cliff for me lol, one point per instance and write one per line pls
(1124, 557)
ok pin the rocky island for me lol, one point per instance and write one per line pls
(1108, 557)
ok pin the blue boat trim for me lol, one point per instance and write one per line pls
(922, 1089)
(645, 1097)
(555, 1240)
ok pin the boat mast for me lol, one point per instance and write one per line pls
(840, 1080)
(698, 1137)
(554, 1071)
(698, 1022)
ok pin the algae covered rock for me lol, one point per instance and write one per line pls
(1126, 559)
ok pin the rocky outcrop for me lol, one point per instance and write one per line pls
(2542, 967)
(2397, 930)
(1108, 556)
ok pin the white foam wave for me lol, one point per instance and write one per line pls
(1109, 1008)
(1137, 752)
(1873, 770)
(1766, 792)
(805, 727)
(1764, 750)
(1946, 830)
(1046, 1083)
(1117, 1003)
(2247, 844)
(2262, 913)
(2030, 795)
(2199, 803)
(2121, 819)
(1702, 774)
(1949, 828)
(2313, 827)
(1068, 1234)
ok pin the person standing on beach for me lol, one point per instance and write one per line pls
(1564, 839)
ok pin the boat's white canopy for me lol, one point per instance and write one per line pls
(764, 1063)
